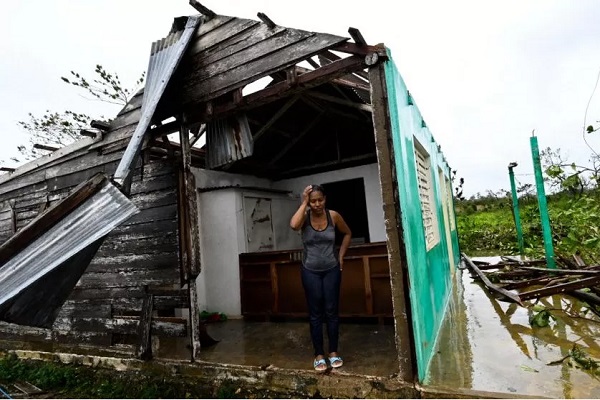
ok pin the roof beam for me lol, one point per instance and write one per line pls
(327, 164)
(202, 9)
(337, 100)
(263, 17)
(357, 36)
(316, 105)
(280, 90)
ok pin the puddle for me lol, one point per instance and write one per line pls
(489, 345)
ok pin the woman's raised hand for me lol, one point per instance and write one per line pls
(306, 194)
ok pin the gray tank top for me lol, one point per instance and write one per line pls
(319, 246)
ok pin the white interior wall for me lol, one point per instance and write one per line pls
(222, 224)
(370, 175)
(219, 280)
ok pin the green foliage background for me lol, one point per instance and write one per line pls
(486, 225)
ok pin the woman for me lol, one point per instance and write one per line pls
(321, 270)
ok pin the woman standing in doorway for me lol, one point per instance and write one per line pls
(321, 270)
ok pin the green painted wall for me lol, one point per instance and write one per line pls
(429, 271)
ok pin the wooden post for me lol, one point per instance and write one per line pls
(145, 328)
(393, 227)
(189, 232)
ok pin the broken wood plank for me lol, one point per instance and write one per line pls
(562, 271)
(560, 288)
(505, 293)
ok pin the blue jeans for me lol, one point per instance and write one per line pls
(322, 289)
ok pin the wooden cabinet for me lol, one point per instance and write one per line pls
(271, 284)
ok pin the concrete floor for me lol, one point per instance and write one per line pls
(489, 345)
(367, 348)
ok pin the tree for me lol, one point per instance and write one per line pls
(569, 177)
(58, 129)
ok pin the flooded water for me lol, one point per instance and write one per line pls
(486, 344)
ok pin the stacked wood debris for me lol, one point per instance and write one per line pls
(517, 280)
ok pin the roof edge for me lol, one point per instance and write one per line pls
(41, 161)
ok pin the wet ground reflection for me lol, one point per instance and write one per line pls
(490, 345)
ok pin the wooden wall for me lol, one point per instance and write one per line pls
(138, 257)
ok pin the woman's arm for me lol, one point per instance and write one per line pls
(341, 225)
(300, 215)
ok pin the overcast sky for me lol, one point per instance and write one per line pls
(484, 74)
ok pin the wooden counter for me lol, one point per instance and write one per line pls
(271, 284)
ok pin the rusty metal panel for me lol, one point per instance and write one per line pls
(72, 240)
(165, 55)
(228, 140)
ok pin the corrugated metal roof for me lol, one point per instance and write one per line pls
(74, 234)
(228, 140)
(165, 55)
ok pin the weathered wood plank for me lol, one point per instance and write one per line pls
(23, 190)
(220, 34)
(120, 294)
(155, 199)
(144, 230)
(103, 339)
(46, 220)
(134, 263)
(40, 162)
(127, 305)
(73, 179)
(243, 74)
(153, 169)
(263, 50)
(13, 331)
(121, 325)
(152, 184)
(134, 102)
(127, 279)
(144, 350)
(90, 160)
(26, 215)
(213, 23)
(168, 212)
(126, 119)
(236, 43)
(22, 181)
(5, 215)
(115, 135)
(116, 247)
(85, 310)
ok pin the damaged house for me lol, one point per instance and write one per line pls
(115, 244)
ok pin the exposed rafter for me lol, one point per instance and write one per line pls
(294, 171)
(337, 100)
(281, 89)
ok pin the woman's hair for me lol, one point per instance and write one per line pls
(318, 188)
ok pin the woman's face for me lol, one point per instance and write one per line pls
(316, 201)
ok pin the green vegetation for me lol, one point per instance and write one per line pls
(486, 225)
(69, 381)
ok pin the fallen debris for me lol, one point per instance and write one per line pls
(518, 280)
